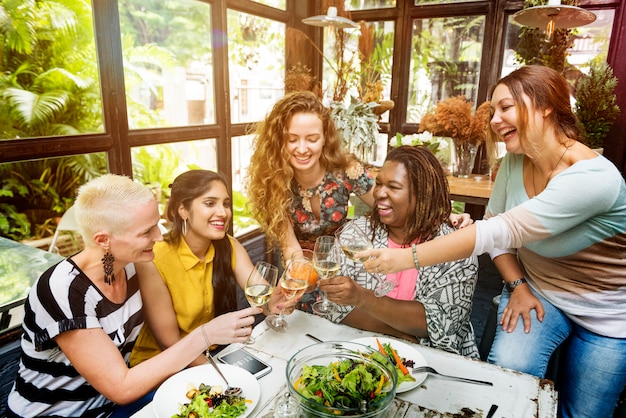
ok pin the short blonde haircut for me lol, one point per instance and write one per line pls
(108, 203)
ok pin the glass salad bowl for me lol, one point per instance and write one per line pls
(339, 378)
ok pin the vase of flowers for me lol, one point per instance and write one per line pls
(455, 117)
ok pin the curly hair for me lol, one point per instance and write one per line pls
(270, 174)
(428, 188)
(185, 188)
(546, 89)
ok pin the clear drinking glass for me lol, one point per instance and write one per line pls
(293, 284)
(352, 240)
(326, 262)
(260, 286)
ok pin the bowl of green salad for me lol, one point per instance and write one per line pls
(339, 378)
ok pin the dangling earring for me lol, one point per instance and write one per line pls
(107, 264)
(184, 227)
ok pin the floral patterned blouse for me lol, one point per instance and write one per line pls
(334, 192)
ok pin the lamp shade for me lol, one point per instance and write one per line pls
(562, 16)
(330, 19)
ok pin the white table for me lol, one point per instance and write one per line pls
(516, 394)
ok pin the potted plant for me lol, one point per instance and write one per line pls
(596, 103)
(455, 117)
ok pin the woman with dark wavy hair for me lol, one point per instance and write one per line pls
(431, 304)
(196, 268)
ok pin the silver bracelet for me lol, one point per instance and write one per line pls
(206, 340)
(415, 260)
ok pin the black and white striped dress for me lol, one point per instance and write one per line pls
(64, 299)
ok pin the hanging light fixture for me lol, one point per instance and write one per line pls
(553, 16)
(330, 19)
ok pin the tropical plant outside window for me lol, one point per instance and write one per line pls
(445, 61)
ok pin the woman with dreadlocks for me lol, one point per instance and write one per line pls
(412, 205)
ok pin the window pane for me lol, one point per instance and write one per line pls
(421, 2)
(242, 147)
(445, 61)
(278, 4)
(157, 166)
(256, 48)
(369, 4)
(167, 63)
(36, 193)
(590, 41)
(365, 72)
(49, 83)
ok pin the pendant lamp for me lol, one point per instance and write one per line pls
(553, 16)
(330, 19)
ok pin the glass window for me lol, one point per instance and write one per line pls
(358, 62)
(157, 166)
(49, 83)
(256, 49)
(168, 70)
(242, 147)
(34, 194)
(445, 61)
(588, 42)
(277, 4)
(369, 4)
(422, 2)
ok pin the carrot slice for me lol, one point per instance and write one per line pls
(381, 348)
(399, 361)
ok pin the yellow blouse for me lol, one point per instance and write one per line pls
(190, 282)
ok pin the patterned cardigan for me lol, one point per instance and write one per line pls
(446, 291)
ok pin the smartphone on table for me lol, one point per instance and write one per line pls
(242, 358)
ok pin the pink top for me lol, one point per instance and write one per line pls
(407, 280)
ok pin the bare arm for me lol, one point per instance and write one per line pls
(450, 247)
(290, 244)
(390, 314)
(98, 360)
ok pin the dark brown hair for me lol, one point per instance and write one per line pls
(428, 188)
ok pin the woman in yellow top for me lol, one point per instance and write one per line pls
(195, 271)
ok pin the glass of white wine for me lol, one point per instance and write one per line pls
(293, 285)
(260, 286)
(326, 262)
(352, 240)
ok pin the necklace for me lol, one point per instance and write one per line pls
(551, 172)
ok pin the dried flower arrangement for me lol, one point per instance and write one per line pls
(454, 117)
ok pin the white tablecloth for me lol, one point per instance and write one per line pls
(516, 394)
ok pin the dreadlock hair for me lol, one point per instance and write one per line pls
(428, 189)
(185, 188)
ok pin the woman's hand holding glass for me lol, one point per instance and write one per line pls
(260, 286)
(293, 284)
(326, 262)
(352, 240)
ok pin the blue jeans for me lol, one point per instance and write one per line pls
(595, 366)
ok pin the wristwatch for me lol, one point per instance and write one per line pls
(510, 286)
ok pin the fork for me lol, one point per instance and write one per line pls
(230, 391)
(428, 369)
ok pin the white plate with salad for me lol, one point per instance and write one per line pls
(172, 393)
(403, 350)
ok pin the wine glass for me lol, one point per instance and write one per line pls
(305, 270)
(294, 282)
(260, 286)
(326, 262)
(352, 240)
